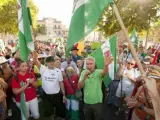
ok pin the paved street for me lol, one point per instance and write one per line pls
(108, 113)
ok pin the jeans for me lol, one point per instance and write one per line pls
(93, 111)
(32, 106)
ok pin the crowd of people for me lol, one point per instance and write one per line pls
(71, 87)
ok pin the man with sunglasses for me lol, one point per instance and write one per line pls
(128, 76)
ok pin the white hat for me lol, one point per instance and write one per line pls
(3, 60)
(147, 57)
(39, 56)
(42, 56)
(125, 44)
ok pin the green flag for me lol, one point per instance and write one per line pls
(108, 48)
(85, 16)
(134, 38)
(24, 24)
(23, 103)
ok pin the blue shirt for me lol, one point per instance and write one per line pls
(76, 58)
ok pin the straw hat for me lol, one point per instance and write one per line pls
(154, 72)
(2, 60)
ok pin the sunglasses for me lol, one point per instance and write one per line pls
(130, 63)
(40, 58)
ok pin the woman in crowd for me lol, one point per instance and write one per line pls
(79, 66)
(72, 104)
(7, 74)
(57, 62)
(3, 86)
(25, 83)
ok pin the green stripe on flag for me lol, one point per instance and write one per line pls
(98, 55)
(134, 38)
(85, 17)
(29, 15)
(23, 103)
(24, 51)
(24, 24)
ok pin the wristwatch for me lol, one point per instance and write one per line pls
(141, 107)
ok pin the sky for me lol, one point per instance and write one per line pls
(59, 9)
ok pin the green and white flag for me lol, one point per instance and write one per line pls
(23, 103)
(108, 48)
(85, 16)
(25, 34)
(134, 38)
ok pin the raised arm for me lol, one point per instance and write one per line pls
(35, 59)
(107, 61)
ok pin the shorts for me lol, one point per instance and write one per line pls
(125, 93)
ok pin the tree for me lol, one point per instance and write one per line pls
(9, 16)
(155, 32)
(135, 14)
(41, 29)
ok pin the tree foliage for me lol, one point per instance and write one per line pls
(9, 16)
(155, 32)
(135, 14)
(41, 29)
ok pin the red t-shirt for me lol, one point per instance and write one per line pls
(30, 92)
(14, 63)
(74, 80)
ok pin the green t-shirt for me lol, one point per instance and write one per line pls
(93, 87)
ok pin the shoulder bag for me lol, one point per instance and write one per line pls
(78, 93)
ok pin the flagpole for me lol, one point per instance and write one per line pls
(133, 51)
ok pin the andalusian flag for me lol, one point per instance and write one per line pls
(23, 103)
(85, 16)
(108, 48)
(134, 38)
(24, 24)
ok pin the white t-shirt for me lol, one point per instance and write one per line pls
(127, 84)
(51, 79)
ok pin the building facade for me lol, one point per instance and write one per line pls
(54, 28)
